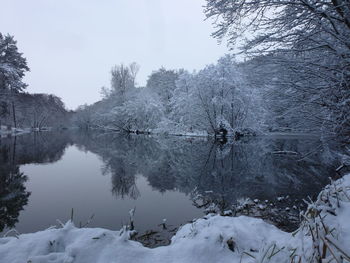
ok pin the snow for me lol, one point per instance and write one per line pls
(212, 238)
(203, 241)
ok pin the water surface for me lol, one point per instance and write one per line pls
(44, 175)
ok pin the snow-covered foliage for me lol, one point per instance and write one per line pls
(12, 65)
(323, 236)
(12, 69)
(215, 98)
(300, 52)
(142, 112)
(162, 82)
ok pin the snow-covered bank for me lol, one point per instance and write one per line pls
(20, 131)
(202, 134)
(324, 233)
(14, 131)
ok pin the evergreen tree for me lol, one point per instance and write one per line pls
(12, 65)
(12, 70)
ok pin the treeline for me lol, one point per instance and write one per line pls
(17, 108)
(23, 110)
(295, 77)
(214, 99)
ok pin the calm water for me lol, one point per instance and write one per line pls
(44, 175)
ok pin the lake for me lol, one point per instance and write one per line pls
(43, 176)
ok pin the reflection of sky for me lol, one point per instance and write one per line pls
(76, 182)
(92, 175)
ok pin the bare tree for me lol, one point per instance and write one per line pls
(123, 80)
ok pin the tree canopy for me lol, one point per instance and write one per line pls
(12, 65)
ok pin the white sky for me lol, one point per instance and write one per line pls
(71, 45)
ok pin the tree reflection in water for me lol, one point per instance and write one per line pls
(14, 152)
(13, 194)
(223, 174)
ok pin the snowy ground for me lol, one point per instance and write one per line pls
(324, 233)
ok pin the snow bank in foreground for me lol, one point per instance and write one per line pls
(325, 233)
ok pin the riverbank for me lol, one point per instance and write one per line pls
(324, 233)
(223, 133)
(14, 131)
(19, 131)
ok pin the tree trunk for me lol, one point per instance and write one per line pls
(231, 115)
(14, 115)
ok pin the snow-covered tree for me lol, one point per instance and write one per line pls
(216, 98)
(223, 95)
(162, 82)
(143, 112)
(123, 80)
(186, 113)
(12, 65)
(308, 41)
(12, 69)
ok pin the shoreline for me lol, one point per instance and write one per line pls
(21, 131)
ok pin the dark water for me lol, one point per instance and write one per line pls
(44, 175)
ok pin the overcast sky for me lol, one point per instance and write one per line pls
(71, 45)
